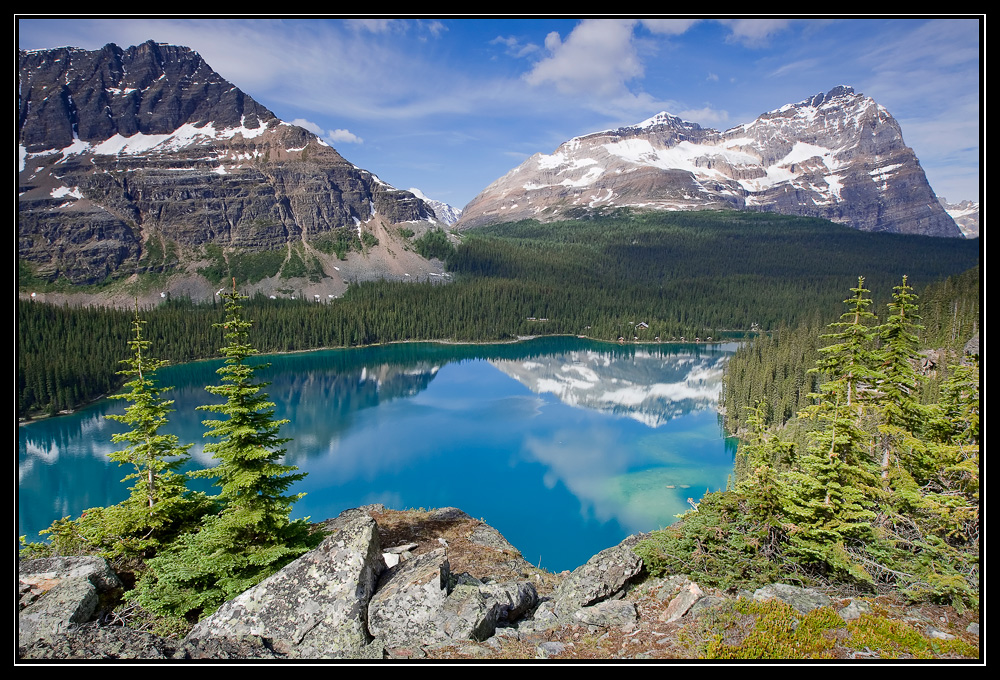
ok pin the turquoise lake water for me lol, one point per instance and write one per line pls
(563, 444)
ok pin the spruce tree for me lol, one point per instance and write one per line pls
(849, 361)
(901, 415)
(252, 537)
(159, 506)
(252, 478)
(155, 456)
(834, 481)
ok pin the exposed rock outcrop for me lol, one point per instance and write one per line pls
(56, 592)
(326, 605)
(314, 608)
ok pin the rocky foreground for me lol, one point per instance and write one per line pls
(439, 584)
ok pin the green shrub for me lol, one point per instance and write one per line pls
(720, 545)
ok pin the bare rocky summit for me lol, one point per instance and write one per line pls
(839, 156)
(965, 214)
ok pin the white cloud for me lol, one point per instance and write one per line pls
(754, 32)
(514, 46)
(706, 116)
(669, 26)
(373, 25)
(339, 136)
(308, 125)
(598, 57)
(344, 137)
(435, 28)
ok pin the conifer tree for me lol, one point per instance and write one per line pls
(834, 483)
(899, 408)
(850, 360)
(252, 537)
(252, 479)
(159, 505)
(155, 456)
(759, 458)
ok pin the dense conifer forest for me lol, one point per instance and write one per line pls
(649, 276)
(774, 367)
(850, 472)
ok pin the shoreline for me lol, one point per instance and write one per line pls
(41, 415)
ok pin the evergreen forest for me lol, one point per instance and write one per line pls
(858, 464)
(645, 277)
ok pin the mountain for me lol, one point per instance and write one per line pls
(839, 156)
(145, 159)
(444, 212)
(965, 214)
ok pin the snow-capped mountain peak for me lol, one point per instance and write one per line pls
(836, 155)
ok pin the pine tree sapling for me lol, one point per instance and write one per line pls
(900, 408)
(850, 359)
(155, 456)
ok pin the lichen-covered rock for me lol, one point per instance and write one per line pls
(688, 595)
(854, 610)
(603, 576)
(70, 601)
(57, 592)
(802, 599)
(316, 607)
(467, 614)
(404, 609)
(51, 569)
(549, 649)
(513, 598)
(607, 614)
(92, 641)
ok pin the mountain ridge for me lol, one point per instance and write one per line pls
(836, 155)
(144, 159)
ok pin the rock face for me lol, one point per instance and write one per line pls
(56, 592)
(133, 158)
(448, 214)
(839, 156)
(316, 607)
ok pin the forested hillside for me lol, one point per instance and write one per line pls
(647, 277)
(775, 367)
(869, 486)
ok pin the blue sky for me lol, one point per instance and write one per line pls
(449, 105)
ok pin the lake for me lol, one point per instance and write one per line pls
(563, 444)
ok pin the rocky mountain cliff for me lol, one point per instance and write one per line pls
(145, 158)
(839, 156)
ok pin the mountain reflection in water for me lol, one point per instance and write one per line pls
(587, 443)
